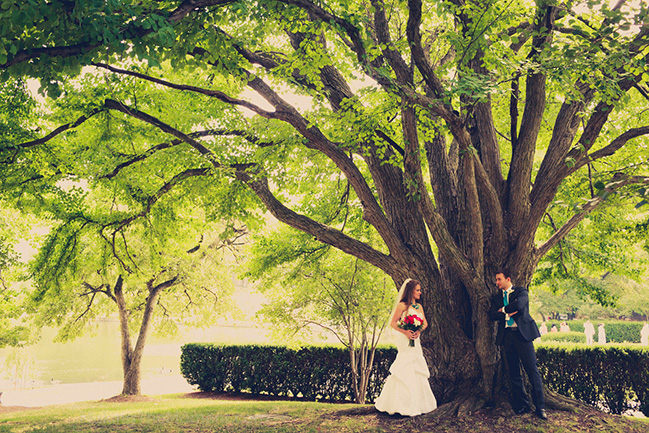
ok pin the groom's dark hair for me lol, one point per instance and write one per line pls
(505, 271)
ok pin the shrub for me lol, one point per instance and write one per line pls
(614, 376)
(567, 337)
(311, 372)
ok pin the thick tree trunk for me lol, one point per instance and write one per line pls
(132, 379)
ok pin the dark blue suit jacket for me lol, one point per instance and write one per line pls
(518, 301)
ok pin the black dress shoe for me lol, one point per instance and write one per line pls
(522, 410)
(541, 414)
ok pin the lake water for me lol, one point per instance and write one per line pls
(96, 356)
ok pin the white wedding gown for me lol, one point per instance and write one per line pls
(406, 390)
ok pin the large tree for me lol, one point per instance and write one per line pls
(451, 125)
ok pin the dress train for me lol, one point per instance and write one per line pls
(406, 390)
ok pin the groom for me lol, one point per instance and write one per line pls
(516, 331)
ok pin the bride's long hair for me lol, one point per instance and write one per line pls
(405, 294)
(408, 290)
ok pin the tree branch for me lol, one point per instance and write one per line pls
(284, 112)
(616, 144)
(522, 160)
(588, 207)
(391, 54)
(59, 130)
(92, 292)
(321, 232)
(316, 140)
(211, 93)
(207, 133)
(168, 186)
(417, 52)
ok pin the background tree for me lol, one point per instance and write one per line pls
(309, 286)
(156, 267)
(16, 106)
(443, 119)
(14, 331)
(627, 299)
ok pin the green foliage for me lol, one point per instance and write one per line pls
(312, 373)
(624, 297)
(13, 229)
(307, 283)
(16, 106)
(609, 240)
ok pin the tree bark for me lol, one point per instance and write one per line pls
(132, 354)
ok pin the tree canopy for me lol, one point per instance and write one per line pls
(450, 125)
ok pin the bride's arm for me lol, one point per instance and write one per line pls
(394, 322)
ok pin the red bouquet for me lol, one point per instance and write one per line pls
(412, 323)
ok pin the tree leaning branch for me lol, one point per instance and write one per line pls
(284, 112)
(59, 130)
(321, 232)
(207, 133)
(588, 207)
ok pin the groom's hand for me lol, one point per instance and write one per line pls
(502, 310)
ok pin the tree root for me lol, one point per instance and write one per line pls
(461, 407)
(467, 405)
(556, 401)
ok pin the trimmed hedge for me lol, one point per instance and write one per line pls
(613, 377)
(312, 373)
(568, 337)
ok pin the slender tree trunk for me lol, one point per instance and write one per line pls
(130, 362)
(132, 355)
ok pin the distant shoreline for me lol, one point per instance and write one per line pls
(46, 395)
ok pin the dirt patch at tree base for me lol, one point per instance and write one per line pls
(7, 409)
(127, 399)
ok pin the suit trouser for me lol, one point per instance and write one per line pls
(517, 351)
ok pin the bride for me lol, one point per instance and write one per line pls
(406, 390)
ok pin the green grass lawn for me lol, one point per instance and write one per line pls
(201, 412)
